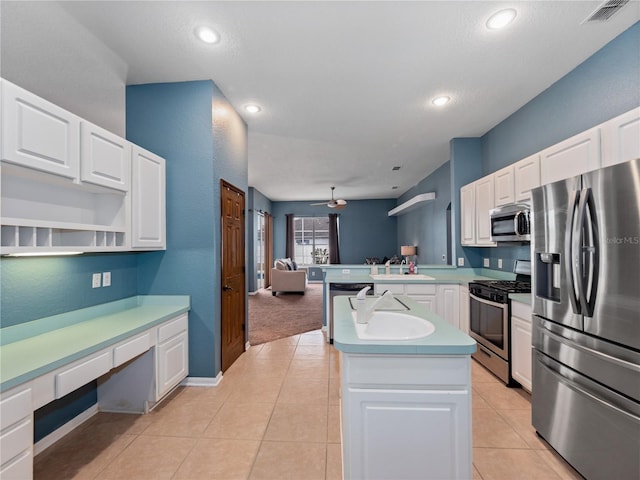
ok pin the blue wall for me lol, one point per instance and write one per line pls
(175, 120)
(426, 227)
(602, 87)
(366, 230)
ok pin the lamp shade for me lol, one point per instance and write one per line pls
(408, 250)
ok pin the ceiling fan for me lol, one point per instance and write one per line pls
(333, 203)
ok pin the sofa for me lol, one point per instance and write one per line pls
(286, 276)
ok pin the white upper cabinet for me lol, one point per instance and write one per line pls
(503, 182)
(38, 134)
(621, 138)
(148, 200)
(484, 202)
(468, 214)
(105, 158)
(526, 177)
(574, 156)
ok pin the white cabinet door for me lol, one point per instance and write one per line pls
(173, 363)
(574, 156)
(484, 202)
(38, 134)
(105, 158)
(521, 341)
(503, 181)
(526, 177)
(405, 433)
(468, 214)
(448, 304)
(464, 309)
(148, 200)
(621, 138)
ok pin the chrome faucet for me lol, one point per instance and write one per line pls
(403, 262)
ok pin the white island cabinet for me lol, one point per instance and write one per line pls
(406, 405)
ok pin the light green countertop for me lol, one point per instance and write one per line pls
(34, 348)
(521, 298)
(446, 340)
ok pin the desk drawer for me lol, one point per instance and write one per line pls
(82, 373)
(21, 468)
(173, 328)
(14, 408)
(15, 440)
(131, 349)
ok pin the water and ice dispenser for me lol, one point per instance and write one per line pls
(548, 276)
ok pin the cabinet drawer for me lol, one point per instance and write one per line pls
(381, 371)
(173, 327)
(15, 408)
(420, 289)
(82, 373)
(15, 440)
(43, 390)
(395, 288)
(131, 349)
(20, 468)
(521, 310)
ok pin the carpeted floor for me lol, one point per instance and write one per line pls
(284, 315)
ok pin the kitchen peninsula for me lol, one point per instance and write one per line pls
(406, 404)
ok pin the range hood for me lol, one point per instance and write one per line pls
(412, 204)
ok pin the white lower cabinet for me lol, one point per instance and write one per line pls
(423, 293)
(406, 417)
(16, 434)
(448, 304)
(464, 309)
(172, 355)
(521, 344)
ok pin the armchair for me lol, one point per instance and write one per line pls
(285, 280)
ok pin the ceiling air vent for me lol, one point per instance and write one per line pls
(606, 10)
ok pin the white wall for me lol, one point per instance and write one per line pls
(46, 51)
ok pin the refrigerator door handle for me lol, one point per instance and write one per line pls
(589, 252)
(572, 254)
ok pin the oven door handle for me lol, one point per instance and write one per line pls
(488, 302)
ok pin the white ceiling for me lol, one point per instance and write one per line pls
(345, 87)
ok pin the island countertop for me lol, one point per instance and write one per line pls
(446, 340)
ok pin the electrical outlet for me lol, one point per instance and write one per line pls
(95, 280)
(486, 263)
(461, 262)
(499, 263)
(106, 279)
(444, 258)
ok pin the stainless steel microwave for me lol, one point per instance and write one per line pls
(511, 223)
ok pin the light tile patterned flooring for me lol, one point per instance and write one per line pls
(275, 416)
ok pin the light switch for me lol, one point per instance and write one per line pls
(499, 263)
(486, 263)
(95, 281)
(106, 279)
(461, 262)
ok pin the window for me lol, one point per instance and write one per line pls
(311, 236)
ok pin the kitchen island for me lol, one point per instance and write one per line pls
(405, 404)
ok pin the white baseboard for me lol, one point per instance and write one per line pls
(202, 381)
(44, 443)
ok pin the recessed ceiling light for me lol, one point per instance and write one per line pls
(395, 169)
(501, 19)
(252, 108)
(395, 187)
(440, 101)
(207, 35)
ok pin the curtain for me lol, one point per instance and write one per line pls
(334, 239)
(289, 251)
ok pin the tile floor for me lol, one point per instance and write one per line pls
(274, 416)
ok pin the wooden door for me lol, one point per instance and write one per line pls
(233, 294)
(268, 249)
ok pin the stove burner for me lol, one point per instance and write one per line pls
(511, 286)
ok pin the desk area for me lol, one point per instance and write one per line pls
(137, 349)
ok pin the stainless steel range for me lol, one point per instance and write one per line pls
(489, 318)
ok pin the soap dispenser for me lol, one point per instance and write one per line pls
(361, 305)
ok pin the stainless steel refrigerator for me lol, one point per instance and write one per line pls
(586, 323)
